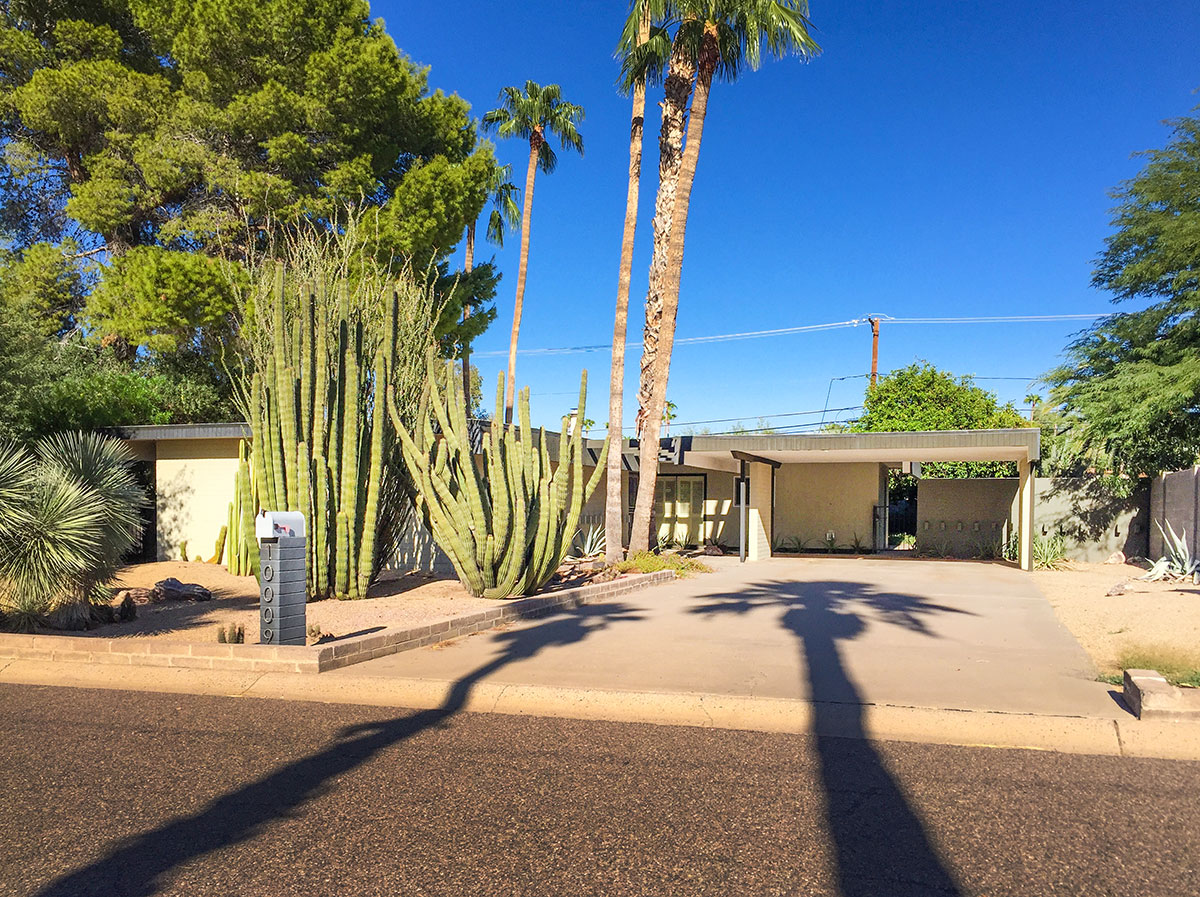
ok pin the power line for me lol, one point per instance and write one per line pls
(730, 420)
(804, 328)
(993, 319)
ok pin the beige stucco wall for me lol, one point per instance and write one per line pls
(758, 516)
(194, 486)
(813, 499)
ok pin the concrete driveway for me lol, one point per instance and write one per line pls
(949, 635)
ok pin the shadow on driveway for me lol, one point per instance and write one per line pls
(879, 842)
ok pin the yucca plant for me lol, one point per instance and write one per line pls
(70, 511)
(1050, 553)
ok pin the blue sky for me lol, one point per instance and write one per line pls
(939, 158)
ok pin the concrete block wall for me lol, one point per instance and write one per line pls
(961, 516)
(1175, 497)
(1093, 522)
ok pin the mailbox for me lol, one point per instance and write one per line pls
(282, 592)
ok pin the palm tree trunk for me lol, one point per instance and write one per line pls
(535, 142)
(468, 266)
(614, 510)
(677, 90)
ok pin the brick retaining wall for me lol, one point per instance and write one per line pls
(150, 651)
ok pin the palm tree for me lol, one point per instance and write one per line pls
(532, 114)
(505, 215)
(712, 37)
(636, 36)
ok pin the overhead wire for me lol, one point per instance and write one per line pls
(804, 328)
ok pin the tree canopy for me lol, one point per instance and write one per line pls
(921, 397)
(150, 147)
(1130, 385)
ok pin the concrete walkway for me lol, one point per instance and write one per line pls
(927, 634)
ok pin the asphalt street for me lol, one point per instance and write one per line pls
(123, 793)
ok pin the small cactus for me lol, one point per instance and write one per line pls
(233, 634)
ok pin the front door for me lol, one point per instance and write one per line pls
(679, 509)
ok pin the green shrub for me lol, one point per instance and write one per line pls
(649, 562)
(1050, 553)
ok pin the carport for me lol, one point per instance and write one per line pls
(834, 485)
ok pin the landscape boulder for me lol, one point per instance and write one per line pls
(123, 606)
(171, 589)
(137, 596)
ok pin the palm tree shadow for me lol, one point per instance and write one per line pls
(137, 865)
(880, 844)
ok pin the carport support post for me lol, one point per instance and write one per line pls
(743, 498)
(1025, 513)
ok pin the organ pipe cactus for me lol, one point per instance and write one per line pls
(506, 518)
(324, 351)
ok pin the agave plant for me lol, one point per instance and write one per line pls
(1178, 562)
(69, 511)
(592, 542)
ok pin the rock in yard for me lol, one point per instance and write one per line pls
(123, 606)
(1117, 557)
(171, 589)
(137, 596)
(1119, 589)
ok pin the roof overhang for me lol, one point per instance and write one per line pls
(167, 432)
(723, 452)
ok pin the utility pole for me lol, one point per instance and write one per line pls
(874, 350)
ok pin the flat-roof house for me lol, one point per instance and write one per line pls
(748, 492)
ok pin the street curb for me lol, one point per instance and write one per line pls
(1127, 737)
(135, 651)
(1148, 694)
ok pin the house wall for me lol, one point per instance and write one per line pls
(759, 516)
(812, 499)
(194, 481)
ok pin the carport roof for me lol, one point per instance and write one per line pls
(717, 452)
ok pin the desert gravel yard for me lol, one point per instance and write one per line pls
(1151, 624)
(400, 600)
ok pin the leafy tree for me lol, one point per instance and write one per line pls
(43, 285)
(532, 114)
(152, 143)
(921, 397)
(1130, 385)
(712, 38)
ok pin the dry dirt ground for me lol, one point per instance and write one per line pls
(1151, 621)
(398, 600)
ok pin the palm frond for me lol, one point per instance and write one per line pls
(547, 158)
(538, 109)
(16, 482)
